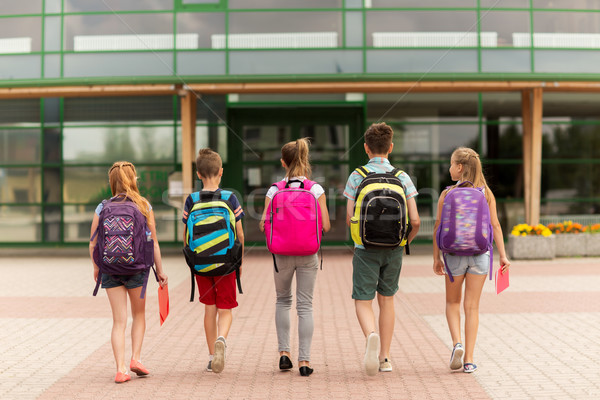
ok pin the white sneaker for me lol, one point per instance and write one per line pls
(371, 360)
(218, 362)
(456, 360)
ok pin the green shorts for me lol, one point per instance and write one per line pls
(375, 271)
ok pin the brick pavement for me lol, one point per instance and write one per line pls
(540, 339)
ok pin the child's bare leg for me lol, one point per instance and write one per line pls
(210, 326)
(473, 287)
(138, 326)
(117, 297)
(365, 315)
(387, 318)
(224, 323)
(453, 298)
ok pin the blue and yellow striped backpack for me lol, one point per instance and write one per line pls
(211, 245)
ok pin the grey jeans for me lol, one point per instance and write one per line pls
(306, 268)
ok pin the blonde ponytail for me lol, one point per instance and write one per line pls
(472, 170)
(296, 157)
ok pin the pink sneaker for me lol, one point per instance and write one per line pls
(138, 368)
(122, 377)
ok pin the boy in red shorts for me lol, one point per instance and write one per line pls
(217, 293)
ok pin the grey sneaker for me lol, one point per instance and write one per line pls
(371, 360)
(456, 360)
(385, 365)
(209, 366)
(218, 362)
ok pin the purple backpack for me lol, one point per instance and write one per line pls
(125, 245)
(465, 225)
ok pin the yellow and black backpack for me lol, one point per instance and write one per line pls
(380, 216)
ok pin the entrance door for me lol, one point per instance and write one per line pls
(254, 151)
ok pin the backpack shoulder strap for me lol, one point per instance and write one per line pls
(308, 184)
(396, 172)
(225, 194)
(280, 185)
(195, 196)
(363, 171)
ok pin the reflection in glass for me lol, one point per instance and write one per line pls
(109, 144)
(20, 224)
(20, 67)
(21, 35)
(19, 146)
(20, 7)
(52, 185)
(390, 106)
(295, 62)
(254, 4)
(78, 222)
(421, 4)
(285, 22)
(202, 24)
(20, 185)
(117, 5)
(118, 64)
(505, 61)
(52, 223)
(505, 23)
(417, 61)
(264, 142)
(329, 142)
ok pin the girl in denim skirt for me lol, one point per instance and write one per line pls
(123, 183)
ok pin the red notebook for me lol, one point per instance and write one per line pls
(163, 303)
(501, 280)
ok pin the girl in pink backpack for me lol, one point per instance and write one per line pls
(462, 266)
(294, 218)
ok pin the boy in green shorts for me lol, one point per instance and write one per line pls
(378, 270)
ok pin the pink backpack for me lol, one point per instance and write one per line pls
(293, 225)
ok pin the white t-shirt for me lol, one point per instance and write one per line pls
(316, 189)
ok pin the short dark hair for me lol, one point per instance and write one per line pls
(208, 163)
(379, 137)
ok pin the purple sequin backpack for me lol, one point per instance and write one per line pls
(465, 225)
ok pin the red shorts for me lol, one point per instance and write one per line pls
(218, 290)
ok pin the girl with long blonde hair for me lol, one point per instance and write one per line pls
(122, 179)
(465, 166)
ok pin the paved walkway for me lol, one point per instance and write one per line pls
(540, 339)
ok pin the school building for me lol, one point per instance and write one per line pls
(85, 83)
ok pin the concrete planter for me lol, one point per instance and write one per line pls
(592, 245)
(531, 247)
(570, 245)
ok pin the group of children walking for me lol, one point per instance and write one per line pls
(383, 219)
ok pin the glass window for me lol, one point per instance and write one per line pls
(52, 223)
(20, 224)
(200, 63)
(52, 66)
(90, 184)
(108, 110)
(19, 111)
(418, 61)
(212, 136)
(201, 26)
(117, 5)
(254, 4)
(493, 4)
(52, 34)
(20, 35)
(144, 144)
(53, 6)
(422, 141)
(576, 140)
(503, 141)
(263, 142)
(505, 23)
(326, 29)
(20, 185)
(107, 32)
(421, 4)
(558, 4)
(505, 61)
(19, 146)
(78, 222)
(118, 64)
(354, 29)
(394, 106)
(52, 145)
(562, 61)
(20, 7)
(328, 142)
(20, 67)
(52, 185)
(568, 181)
(439, 28)
(295, 62)
(583, 106)
(500, 105)
(564, 22)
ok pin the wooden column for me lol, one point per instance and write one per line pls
(188, 140)
(531, 107)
